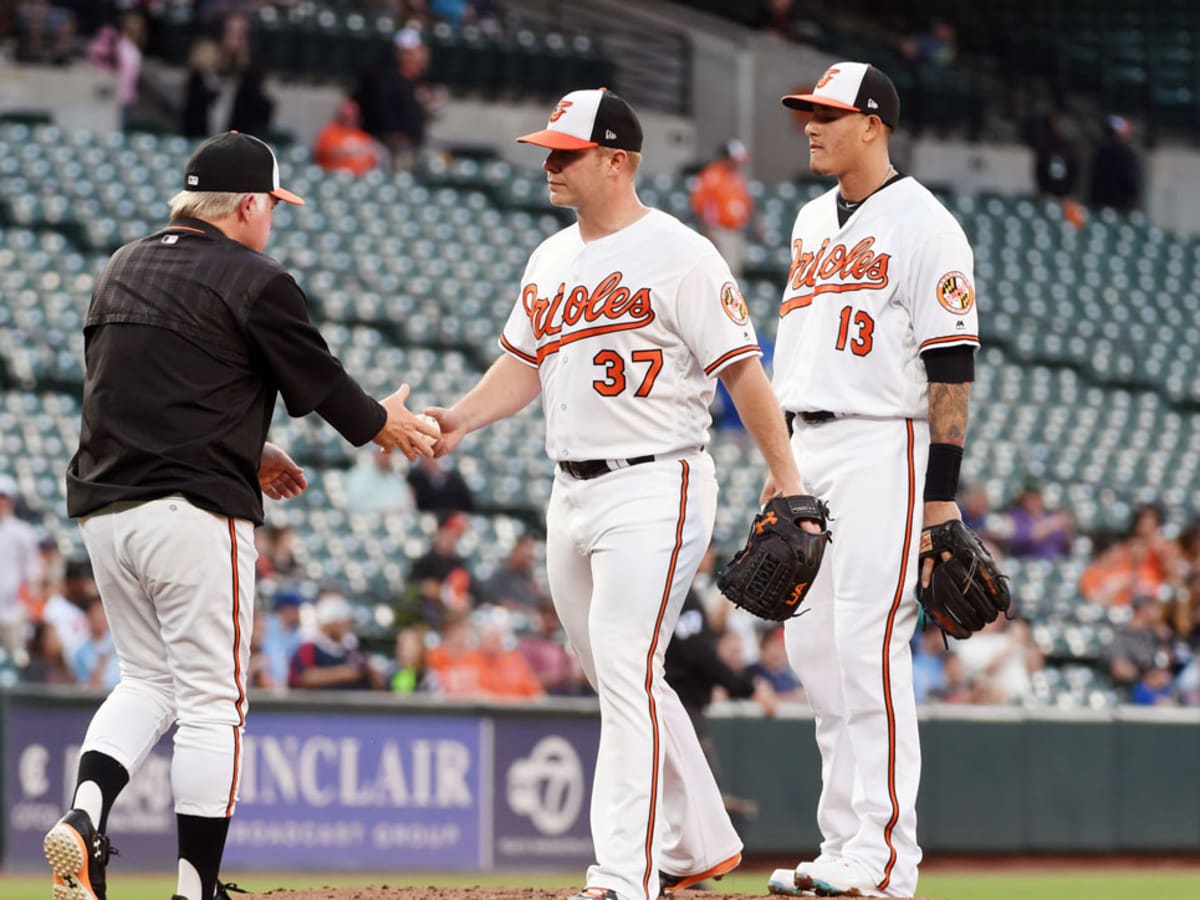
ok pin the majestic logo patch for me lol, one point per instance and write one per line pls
(956, 293)
(560, 110)
(826, 78)
(734, 304)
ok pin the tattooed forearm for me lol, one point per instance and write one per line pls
(948, 405)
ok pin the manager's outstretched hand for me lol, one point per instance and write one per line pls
(278, 474)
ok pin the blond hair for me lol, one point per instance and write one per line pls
(208, 205)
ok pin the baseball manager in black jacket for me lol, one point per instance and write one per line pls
(191, 335)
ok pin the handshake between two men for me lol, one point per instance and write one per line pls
(281, 478)
(413, 435)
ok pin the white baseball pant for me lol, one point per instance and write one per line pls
(850, 647)
(621, 554)
(178, 589)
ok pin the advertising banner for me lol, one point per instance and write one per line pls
(374, 791)
(543, 778)
(318, 791)
(40, 762)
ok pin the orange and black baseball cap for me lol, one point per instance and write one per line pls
(855, 86)
(236, 163)
(592, 118)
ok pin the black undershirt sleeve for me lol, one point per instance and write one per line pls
(950, 365)
(308, 376)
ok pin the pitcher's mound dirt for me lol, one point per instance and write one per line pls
(383, 892)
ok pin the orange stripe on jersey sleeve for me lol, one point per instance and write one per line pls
(736, 353)
(519, 354)
(950, 339)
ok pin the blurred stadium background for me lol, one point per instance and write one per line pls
(1085, 415)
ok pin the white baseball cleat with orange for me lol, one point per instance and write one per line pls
(672, 883)
(836, 878)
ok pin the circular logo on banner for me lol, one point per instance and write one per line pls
(32, 768)
(547, 786)
(956, 293)
(734, 304)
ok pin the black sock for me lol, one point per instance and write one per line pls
(109, 775)
(202, 842)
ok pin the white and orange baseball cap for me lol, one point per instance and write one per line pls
(238, 164)
(855, 86)
(592, 118)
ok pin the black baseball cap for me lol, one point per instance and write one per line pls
(238, 164)
(856, 86)
(592, 118)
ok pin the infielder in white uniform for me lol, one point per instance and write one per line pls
(873, 364)
(623, 322)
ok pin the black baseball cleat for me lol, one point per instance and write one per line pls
(596, 894)
(78, 856)
(672, 883)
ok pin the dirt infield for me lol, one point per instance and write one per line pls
(383, 892)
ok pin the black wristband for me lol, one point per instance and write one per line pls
(941, 477)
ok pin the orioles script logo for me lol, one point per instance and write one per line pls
(834, 269)
(602, 308)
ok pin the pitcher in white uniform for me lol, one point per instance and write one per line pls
(623, 322)
(873, 366)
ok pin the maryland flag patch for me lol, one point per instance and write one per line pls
(956, 293)
(734, 304)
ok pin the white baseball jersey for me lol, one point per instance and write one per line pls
(863, 300)
(628, 333)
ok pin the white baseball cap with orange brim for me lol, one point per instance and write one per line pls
(591, 118)
(854, 86)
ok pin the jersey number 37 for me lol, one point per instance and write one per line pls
(614, 382)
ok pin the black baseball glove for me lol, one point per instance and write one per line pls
(773, 572)
(966, 591)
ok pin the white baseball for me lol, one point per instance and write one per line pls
(429, 420)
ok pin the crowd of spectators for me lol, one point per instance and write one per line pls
(1075, 165)
(1144, 580)
(1153, 581)
(453, 633)
(217, 80)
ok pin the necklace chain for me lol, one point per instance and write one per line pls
(854, 204)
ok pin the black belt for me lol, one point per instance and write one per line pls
(814, 417)
(594, 468)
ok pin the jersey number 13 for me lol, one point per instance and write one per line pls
(857, 330)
